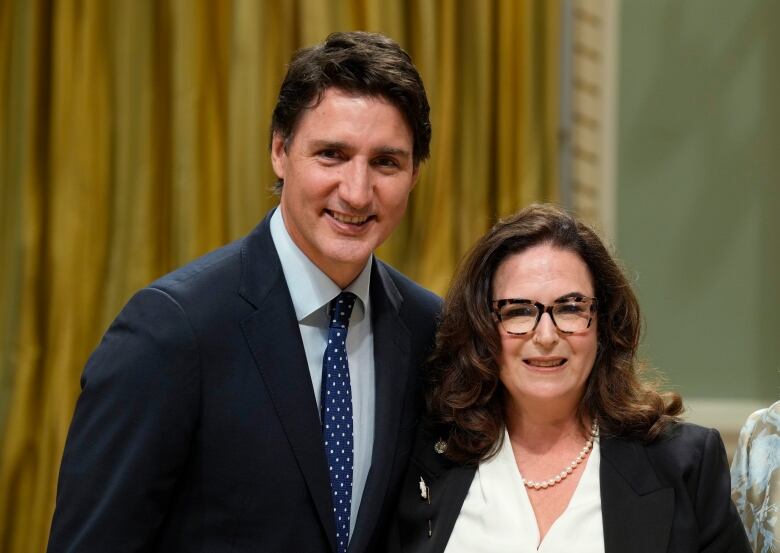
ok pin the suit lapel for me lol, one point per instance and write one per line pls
(391, 372)
(637, 510)
(274, 338)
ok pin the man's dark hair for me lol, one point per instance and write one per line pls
(357, 62)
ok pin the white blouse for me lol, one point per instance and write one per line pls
(497, 516)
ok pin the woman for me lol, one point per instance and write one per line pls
(541, 436)
(755, 478)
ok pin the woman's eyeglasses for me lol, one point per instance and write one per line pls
(520, 316)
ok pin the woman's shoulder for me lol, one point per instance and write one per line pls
(756, 462)
(687, 437)
(675, 434)
(762, 422)
(430, 449)
(680, 449)
(687, 433)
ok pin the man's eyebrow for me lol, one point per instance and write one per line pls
(391, 151)
(329, 144)
(320, 144)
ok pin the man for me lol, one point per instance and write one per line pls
(207, 414)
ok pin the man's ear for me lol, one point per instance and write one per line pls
(278, 155)
(415, 175)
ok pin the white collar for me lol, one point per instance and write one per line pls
(312, 290)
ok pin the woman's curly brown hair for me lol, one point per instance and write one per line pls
(465, 394)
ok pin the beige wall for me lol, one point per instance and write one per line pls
(698, 195)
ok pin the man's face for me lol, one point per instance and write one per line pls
(347, 172)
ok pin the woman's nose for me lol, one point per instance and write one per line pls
(546, 332)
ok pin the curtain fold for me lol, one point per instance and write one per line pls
(134, 137)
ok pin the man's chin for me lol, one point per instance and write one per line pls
(343, 261)
(354, 257)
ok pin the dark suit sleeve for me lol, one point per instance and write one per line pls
(720, 528)
(131, 430)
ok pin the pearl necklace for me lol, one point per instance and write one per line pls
(544, 484)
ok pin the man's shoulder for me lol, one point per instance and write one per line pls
(223, 267)
(411, 291)
(214, 266)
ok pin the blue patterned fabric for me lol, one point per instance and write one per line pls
(755, 479)
(336, 400)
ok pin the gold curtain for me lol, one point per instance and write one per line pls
(133, 137)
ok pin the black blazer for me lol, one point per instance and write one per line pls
(670, 496)
(197, 427)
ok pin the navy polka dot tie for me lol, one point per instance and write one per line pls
(336, 401)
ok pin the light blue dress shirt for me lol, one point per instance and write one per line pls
(311, 291)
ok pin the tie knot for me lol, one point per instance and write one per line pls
(341, 309)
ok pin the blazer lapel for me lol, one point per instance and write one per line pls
(637, 510)
(274, 338)
(391, 372)
(448, 492)
(447, 485)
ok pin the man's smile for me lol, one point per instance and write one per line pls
(349, 219)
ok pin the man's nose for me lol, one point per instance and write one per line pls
(356, 188)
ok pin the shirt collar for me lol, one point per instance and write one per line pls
(312, 290)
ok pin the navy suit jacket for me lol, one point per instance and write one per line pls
(668, 496)
(197, 427)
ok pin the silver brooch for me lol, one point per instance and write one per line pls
(440, 446)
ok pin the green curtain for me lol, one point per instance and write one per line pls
(133, 137)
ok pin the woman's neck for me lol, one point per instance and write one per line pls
(544, 425)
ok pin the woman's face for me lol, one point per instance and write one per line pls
(545, 364)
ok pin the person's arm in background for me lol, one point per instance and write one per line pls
(755, 478)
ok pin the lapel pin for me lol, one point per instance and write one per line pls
(424, 491)
(440, 446)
